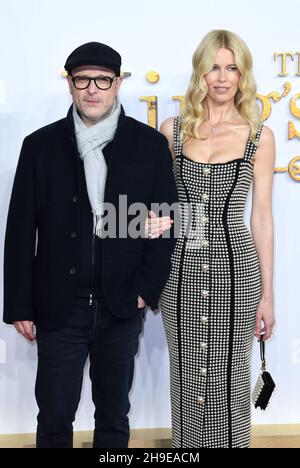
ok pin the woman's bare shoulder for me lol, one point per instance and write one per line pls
(167, 127)
(266, 150)
(267, 135)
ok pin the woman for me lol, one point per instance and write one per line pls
(220, 289)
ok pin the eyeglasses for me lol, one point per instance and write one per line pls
(102, 82)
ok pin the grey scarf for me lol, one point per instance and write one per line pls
(91, 141)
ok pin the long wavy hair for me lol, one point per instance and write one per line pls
(203, 61)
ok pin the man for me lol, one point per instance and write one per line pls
(85, 292)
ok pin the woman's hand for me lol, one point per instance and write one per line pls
(156, 226)
(265, 314)
(141, 303)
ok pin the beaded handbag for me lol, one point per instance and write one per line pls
(265, 385)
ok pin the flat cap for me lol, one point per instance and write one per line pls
(94, 53)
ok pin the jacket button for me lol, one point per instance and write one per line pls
(73, 235)
(75, 199)
(73, 271)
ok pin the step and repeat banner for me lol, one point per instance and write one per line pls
(156, 40)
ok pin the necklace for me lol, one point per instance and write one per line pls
(214, 128)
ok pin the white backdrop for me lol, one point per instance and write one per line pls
(35, 39)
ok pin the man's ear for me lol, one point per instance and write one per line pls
(70, 84)
(120, 81)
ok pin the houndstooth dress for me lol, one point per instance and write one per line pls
(209, 303)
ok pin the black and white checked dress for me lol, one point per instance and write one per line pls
(210, 302)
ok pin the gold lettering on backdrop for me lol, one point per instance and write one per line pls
(282, 170)
(152, 77)
(181, 100)
(294, 109)
(296, 113)
(284, 56)
(298, 54)
(294, 170)
(274, 96)
(293, 133)
(126, 74)
(152, 110)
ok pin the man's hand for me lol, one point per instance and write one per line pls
(141, 303)
(25, 329)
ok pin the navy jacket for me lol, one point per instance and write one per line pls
(44, 224)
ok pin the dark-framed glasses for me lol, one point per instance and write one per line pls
(102, 82)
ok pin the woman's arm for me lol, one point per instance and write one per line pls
(157, 226)
(262, 227)
(166, 129)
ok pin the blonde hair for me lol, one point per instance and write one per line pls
(203, 61)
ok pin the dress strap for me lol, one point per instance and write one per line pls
(176, 136)
(251, 147)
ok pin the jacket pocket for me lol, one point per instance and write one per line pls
(131, 270)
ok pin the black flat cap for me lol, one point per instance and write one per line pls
(94, 53)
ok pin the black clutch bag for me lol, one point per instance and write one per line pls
(265, 385)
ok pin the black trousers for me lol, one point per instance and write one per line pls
(111, 345)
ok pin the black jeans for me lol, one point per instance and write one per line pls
(111, 345)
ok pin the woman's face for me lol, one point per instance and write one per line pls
(223, 80)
